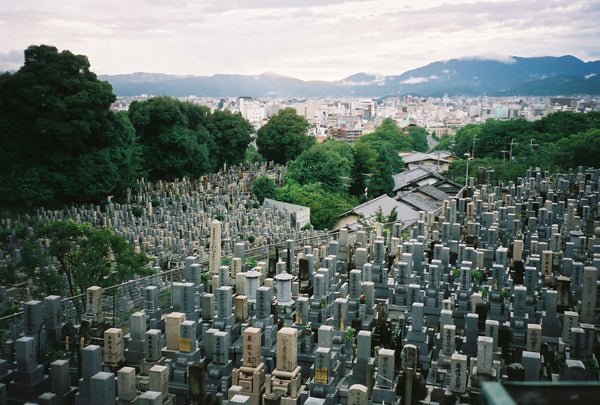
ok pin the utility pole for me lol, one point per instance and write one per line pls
(512, 143)
(504, 152)
(467, 172)
(531, 144)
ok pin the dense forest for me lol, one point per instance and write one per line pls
(61, 143)
(557, 143)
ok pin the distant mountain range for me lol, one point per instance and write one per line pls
(540, 76)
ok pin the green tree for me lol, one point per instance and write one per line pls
(264, 187)
(365, 160)
(502, 170)
(319, 164)
(560, 125)
(344, 152)
(389, 134)
(85, 256)
(232, 134)
(418, 136)
(59, 140)
(463, 140)
(284, 137)
(387, 141)
(252, 155)
(382, 181)
(581, 149)
(325, 207)
(174, 137)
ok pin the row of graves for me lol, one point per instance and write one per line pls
(500, 286)
(171, 221)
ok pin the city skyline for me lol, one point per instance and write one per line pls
(314, 40)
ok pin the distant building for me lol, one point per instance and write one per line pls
(367, 212)
(344, 133)
(413, 179)
(430, 161)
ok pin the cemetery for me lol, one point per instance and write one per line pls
(494, 292)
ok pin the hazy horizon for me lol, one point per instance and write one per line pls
(314, 40)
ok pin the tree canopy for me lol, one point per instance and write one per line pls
(325, 207)
(560, 141)
(174, 137)
(232, 134)
(59, 141)
(328, 163)
(386, 141)
(418, 136)
(85, 256)
(284, 137)
(580, 149)
(389, 134)
(264, 187)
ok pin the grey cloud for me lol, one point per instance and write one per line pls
(222, 6)
(11, 60)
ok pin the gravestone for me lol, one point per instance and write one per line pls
(173, 322)
(287, 349)
(207, 303)
(215, 247)
(363, 357)
(113, 346)
(137, 335)
(241, 309)
(158, 380)
(358, 394)
(385, 368)
(220, 347)
(449, 346)
(224, 279)
(102, 388)
(153, 345)
(91, 365)
(323, 365)
(251, 376)
(150, 398)
(587, 314)
(263, 303)
(458, 373)
(492, 328)
(534, 338)
(355, 284)
(239, 400)
(126, 384)
(485, 346)
(91, 361)
(52, 317)
(197, 383)
(224, 303)
(60, 377)
(570, 320)
(531, 365)
(302, 310)
(187, 336)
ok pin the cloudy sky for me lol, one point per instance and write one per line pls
(307, 39)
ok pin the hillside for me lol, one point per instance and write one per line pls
(565, 75)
